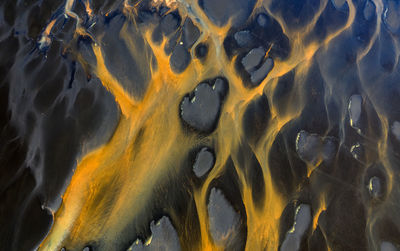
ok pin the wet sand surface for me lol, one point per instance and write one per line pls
(200, 125)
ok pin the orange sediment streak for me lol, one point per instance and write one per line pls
(113, 184)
